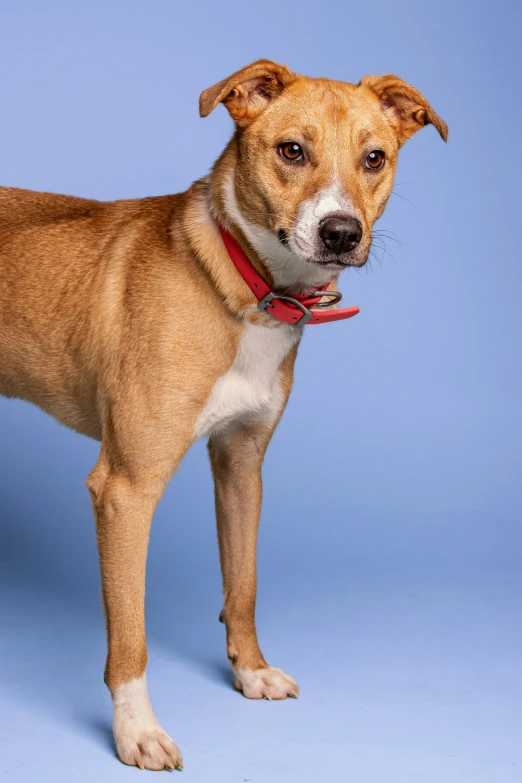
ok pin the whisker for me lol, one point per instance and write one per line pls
(385, 233)
(393, 193)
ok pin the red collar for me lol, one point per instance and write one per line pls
(293, 310)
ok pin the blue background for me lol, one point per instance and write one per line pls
(390, 545)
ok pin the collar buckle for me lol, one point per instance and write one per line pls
(265, 306)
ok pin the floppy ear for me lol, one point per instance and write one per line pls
(406, 108)
(247, 92)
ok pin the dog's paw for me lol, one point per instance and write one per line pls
(140, 740)
(268, 683)
(147, 748)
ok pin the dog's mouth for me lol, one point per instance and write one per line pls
(336, 262)
(283, 237)
(339, 263)
(328, 261)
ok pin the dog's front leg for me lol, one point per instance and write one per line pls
(124, 502)
(236, 457)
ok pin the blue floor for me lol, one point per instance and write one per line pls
(401, 679)
(401, 624)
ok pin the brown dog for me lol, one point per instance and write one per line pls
(128, 322)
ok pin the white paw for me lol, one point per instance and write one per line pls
(269, 683)
(140, 740)
(147, 748)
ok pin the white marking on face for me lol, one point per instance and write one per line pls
(289, 268)
(327, 201)
(250, 389)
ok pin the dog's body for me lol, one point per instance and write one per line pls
(128, 322)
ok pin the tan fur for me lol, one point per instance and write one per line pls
(119, 318)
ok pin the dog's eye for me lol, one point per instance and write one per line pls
(375, 160)
(289, 150)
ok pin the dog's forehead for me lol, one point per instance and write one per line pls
(319, 109)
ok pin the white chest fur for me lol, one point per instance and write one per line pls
(250, 390)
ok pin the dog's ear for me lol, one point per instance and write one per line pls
(406, 108)
(247, 92)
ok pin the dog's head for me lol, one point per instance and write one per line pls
(315, 160)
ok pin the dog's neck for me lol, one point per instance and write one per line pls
(281, 267)
(289, 273)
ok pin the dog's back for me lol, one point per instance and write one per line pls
(28, 209)
(34, 320)
(65, 263)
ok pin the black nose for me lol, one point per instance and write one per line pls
(340, 234)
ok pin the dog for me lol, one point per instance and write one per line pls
(147, 324)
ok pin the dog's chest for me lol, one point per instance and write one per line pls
(250, 390)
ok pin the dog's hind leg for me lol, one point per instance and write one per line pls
(236, 457)
(124, 501)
